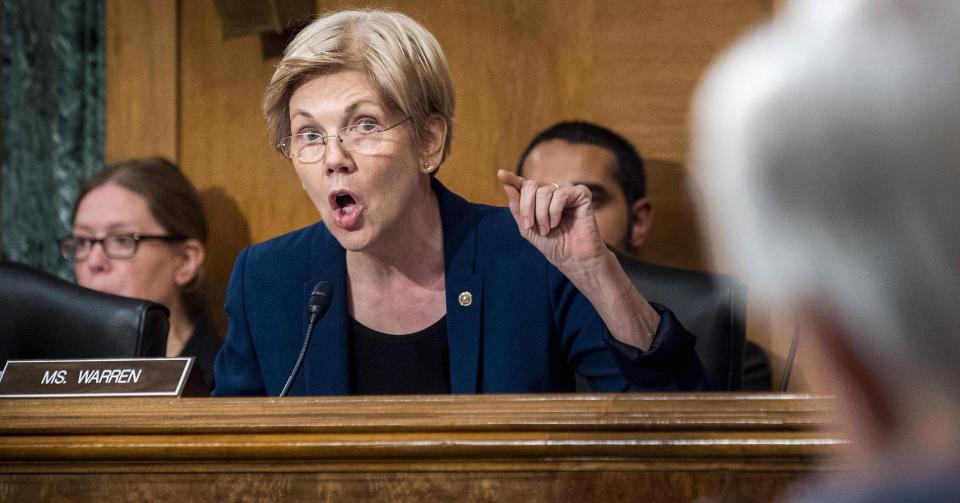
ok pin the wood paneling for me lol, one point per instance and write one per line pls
(141, 79)
(517, 66)
(416, 448)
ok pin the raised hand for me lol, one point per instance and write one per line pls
(557, 220)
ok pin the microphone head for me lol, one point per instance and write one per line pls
(320, 298)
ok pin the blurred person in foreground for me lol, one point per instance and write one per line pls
(829, 141)
(430, 293)
(139, 231)
(583, 153)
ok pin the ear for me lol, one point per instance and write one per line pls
(641, 219)
(432, 153)
(191, 256)
(865, 402)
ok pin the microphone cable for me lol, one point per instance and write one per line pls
(318, 304)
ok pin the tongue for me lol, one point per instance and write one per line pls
(346, 216)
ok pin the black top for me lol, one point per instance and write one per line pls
(203, 345)
(384, 364)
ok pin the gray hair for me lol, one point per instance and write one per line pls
(830, 145)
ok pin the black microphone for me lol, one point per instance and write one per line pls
(318, 304)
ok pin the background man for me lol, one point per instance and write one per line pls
(830, 144)
(584, 153)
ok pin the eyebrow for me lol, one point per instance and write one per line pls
(349, 110)
(353, 108)
(110, 228)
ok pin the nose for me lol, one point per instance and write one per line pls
(336, 158)
(97, 260)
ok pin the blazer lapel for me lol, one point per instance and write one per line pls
(326, 368)
(464, 295)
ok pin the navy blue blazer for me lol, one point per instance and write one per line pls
(527, 329)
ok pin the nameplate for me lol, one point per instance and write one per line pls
(105, 377)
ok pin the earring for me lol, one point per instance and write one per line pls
(426, 166)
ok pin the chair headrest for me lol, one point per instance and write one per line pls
(711, 306)
(43, 316)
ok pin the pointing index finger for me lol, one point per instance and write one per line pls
(509, 178)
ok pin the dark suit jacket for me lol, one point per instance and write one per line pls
(526, 330)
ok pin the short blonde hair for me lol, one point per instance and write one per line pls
(397, 54)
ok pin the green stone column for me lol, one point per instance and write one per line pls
(53, 104)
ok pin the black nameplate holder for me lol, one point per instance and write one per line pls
(92, 378)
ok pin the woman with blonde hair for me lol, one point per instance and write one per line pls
(430, 293)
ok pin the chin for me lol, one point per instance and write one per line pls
(354, 240)
(116, 291)
(119, 291)
(100, 288)
(353, 243)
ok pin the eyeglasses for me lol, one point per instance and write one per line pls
(363, 138)
(119, 246)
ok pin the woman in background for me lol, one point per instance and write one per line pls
(139, 231)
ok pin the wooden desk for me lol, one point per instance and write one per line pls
(529, 448)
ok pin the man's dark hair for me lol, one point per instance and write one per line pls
(630, 174)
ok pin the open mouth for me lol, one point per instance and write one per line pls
(346, 202)
(346, 208)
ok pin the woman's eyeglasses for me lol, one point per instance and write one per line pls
(118, 246)
(362, 138)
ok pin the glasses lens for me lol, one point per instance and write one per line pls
(307, 147)
(363, 138)
(120, 246)
(69, 248)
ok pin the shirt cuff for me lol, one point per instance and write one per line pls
(669, 354)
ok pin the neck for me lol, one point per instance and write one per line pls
(420, 267)
(399, 288)
(920, 436)
(413, 250)
(927, 433)
(181, 329)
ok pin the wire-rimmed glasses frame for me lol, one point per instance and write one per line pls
(309, 147)
(117, 246)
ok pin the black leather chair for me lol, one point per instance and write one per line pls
(45, 317)
(711, 306)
